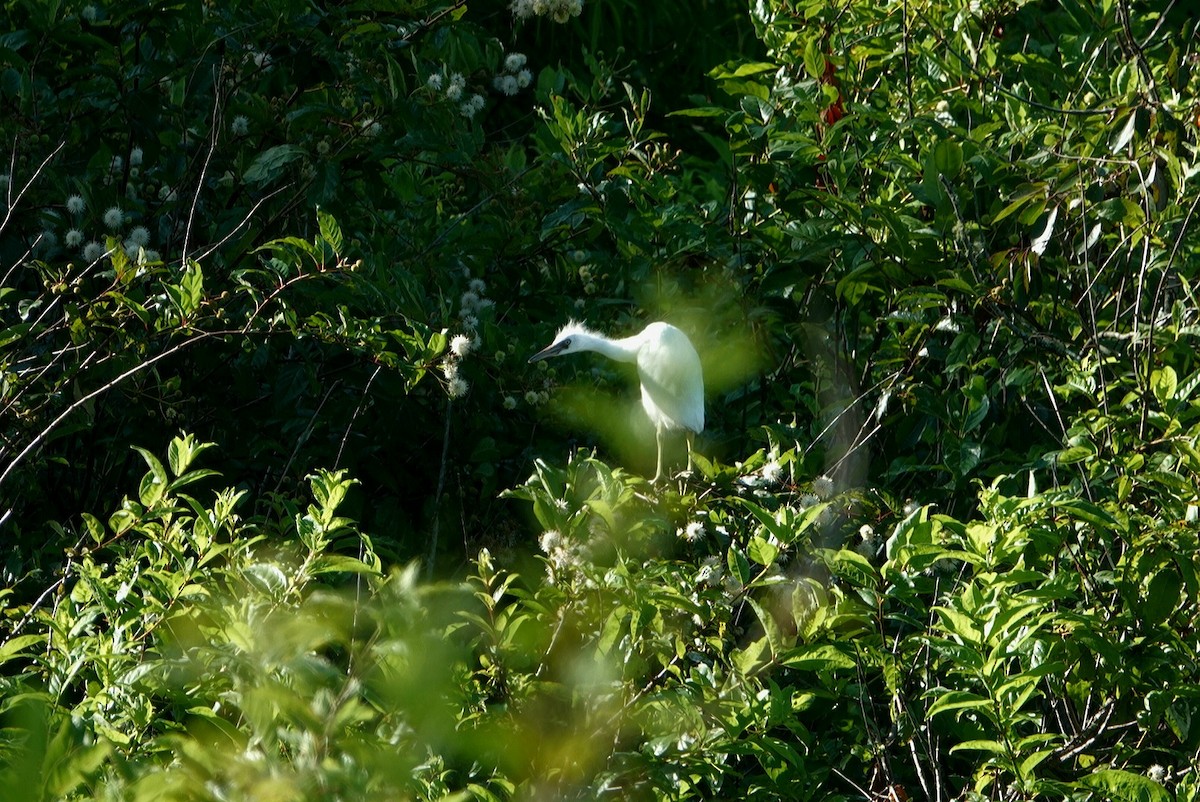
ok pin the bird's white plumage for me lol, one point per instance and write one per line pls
(672, 381)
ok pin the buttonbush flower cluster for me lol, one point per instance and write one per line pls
(557, 10)
(514, 76)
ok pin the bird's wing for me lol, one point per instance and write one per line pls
(672, 383)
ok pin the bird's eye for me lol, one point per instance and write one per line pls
(567, 343)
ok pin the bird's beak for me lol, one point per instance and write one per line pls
(549, 351)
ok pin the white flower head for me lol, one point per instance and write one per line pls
(771, 471)
(458, 387)
(710, 571)
(514, 61)
(460, 345)
(531, 397)
(140, 236)
(454, 91)
(477, 285)
(240, 125)
(76, 204)
(1157, 773)
(822, 487)
(550, 541)
(472, 106)
(371, 127)
(524, 78)
(506, 84)
(510, 402)
(114, 217)
(74, 238)
(93, 251)
(435, 81)
(693, 532)
(135, 157)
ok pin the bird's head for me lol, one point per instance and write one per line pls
(571, 338)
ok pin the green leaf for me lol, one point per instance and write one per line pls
(761, 551)
(1163, 383)
(817, 657)
(947, 158)
(270, 164)
(739, 567)
(957, 700)
(14, 647)
(154, 483)
(331, 233)
(1125, 786)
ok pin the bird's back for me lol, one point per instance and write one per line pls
(671, 377)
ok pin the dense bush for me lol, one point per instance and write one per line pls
(290, 516)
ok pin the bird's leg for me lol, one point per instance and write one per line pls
(658, 438)
(691, 437)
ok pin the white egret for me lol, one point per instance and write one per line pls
(668, 368)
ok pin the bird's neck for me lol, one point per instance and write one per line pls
(623, 350)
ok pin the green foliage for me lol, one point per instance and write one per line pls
(939, 262)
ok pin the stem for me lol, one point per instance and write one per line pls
(437, 496)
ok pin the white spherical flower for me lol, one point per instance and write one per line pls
(514, 61)
(370, 127)
(262, 60)
(166, 193)
(710, 571)
(153, 256)
(693, 532)
(74, 238)
(454, 91)
(91, 13)
(822, 487)
(450, 369)
(47, 241)
(771, 471)
(240, 125)
(460, 346)
(458, 387)
(140, 236)
(507, 84)
(510, 402)
(471, 106)
(910, 507)
(477, 286)
(76, 204)
(550, 541)
(531, 397)
(117, 164)
(114, 217)
(1157, 773)
(524, 78)
(93, 251)
(469, 320)
(435, 81)
(469, 301)
(135, 157)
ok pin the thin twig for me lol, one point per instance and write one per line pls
(441, 485)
